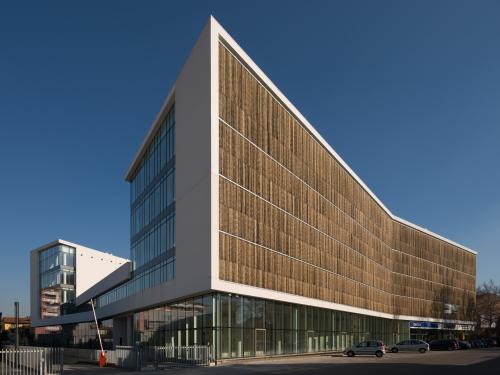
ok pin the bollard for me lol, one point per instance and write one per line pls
(102, 359)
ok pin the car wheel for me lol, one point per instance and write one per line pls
(422, 350)
(449, 348)
(350, 353)
(394, 350)
(379, 353)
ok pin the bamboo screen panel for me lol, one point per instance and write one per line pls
(292, 219)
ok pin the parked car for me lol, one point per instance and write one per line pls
(477, 344)
(443, 345)
(410, 345)
(489, 342)
(376, 347)
(497, 339)
(464, 345)
(481, 343)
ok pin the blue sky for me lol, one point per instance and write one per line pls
(407, 92)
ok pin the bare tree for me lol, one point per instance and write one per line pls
(488, 304)
(468, 308)
(498, 327)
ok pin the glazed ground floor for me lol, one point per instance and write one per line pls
(239, 326)
(236, 326)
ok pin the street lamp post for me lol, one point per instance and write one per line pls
(16, 312)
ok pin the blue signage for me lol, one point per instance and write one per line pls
(425, 325)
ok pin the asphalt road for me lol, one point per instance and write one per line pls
(475, 362)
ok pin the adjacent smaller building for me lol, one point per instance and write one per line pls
(9, 323)
(61, 271)
(8, 330)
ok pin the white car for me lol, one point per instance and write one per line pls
(376, 347)
(410, 346)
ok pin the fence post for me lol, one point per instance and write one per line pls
(40, 353)
(138, 358)
(155, 358)
(61, 361)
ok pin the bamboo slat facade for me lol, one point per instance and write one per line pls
(292, 219)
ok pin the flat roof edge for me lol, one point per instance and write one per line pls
(149, 136)
(431, 233)
(60, 241)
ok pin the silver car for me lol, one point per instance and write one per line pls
(410, 346)
(366, 347)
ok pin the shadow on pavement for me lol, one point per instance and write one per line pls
(488, 366)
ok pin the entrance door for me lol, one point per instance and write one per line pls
(260, 342)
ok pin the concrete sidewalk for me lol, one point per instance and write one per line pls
(457, 362)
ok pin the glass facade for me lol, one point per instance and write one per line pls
(57, 266)
(57, 280)
(240, 326)
(152, 220)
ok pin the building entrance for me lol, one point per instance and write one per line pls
(260, 342)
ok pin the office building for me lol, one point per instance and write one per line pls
(250, 233)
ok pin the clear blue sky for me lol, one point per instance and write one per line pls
(408, 93)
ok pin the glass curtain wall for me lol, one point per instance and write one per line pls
(240, 326)
(187, 322)
(57, 280)
(152, 221)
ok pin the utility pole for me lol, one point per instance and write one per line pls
(16, 312)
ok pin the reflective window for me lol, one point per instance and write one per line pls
(152, 220)
(57, 280)
(248, 327)
(238, 330)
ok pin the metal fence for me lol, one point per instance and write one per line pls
(121, 356)
(49, 361)
(178, 356)
(124, 357)
(31, 361)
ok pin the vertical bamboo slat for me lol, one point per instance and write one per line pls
(292, 219)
